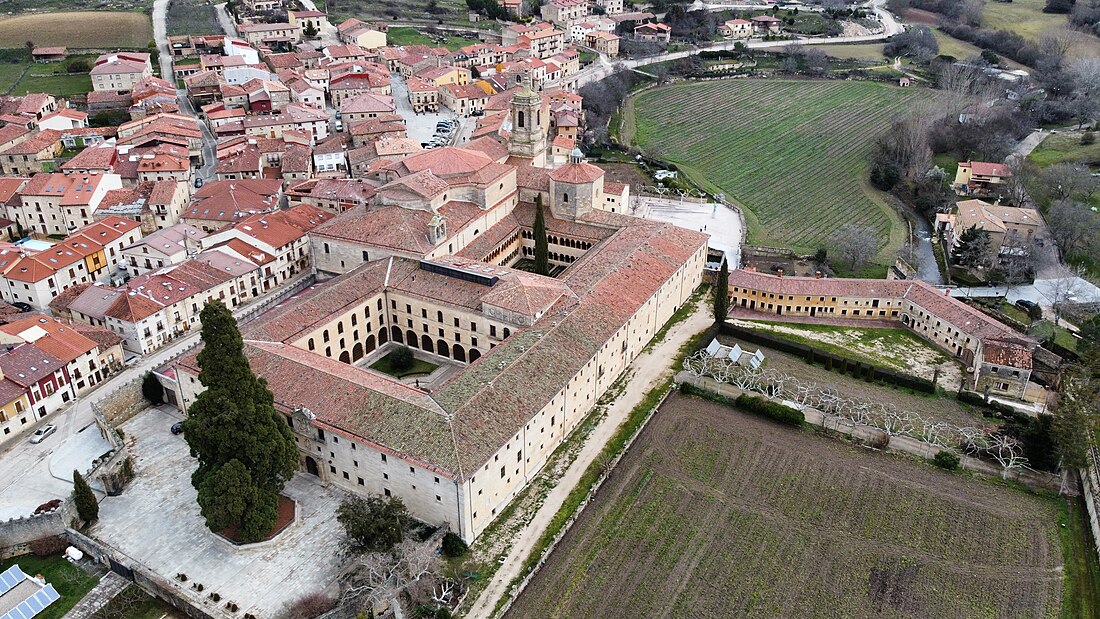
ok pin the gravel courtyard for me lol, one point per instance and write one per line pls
(156, 522)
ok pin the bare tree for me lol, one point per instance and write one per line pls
(379, 576)
(1064, 288)
(1007, 451)
(854, 244)
(1073, 225)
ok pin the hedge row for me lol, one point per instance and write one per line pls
(830, 361)
(750, 404)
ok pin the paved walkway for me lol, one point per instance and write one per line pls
(105, 590)
(649, 369)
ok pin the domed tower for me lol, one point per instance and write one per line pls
(528, 136)
(575, 188)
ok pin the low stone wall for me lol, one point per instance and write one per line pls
(1090, 482)
(17, 534)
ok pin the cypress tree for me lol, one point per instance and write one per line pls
(87, 507)
(235, 420)
(542, 248)
(722, 293)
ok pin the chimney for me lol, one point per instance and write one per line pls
(780, 273)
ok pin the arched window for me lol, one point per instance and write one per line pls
(565, 198)
(324, 335)
(311, 345)
(519, 122)
(340, 327)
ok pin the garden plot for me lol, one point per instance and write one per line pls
(714, 513)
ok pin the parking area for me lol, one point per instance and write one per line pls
(420, 127)
(156, 522)
(38, 473)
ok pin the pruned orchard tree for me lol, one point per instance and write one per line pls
(1007, 451)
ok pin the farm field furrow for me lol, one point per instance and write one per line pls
(714, 513)
(78, 30)
(794, 153)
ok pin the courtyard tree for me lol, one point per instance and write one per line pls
(542, 249)
(87, 507)
(244, 446)
(722, 293)
(372, 524)
(310, 30)
(972, 250)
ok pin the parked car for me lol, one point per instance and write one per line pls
(23, 306)
(41, 433)
(339, 125)
(1026, 305)
(177, 428)
(198, 182)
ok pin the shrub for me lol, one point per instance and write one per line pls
(87, 506)
(309, 606)
(401, 358)
(453, 546)
(1088, 138)
(48, 546)
(772, 410)
(946, 460)
(78, 66)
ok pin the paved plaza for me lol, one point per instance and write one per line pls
(722, 223)
(156, 522)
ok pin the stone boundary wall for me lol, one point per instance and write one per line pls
(17, 534)
(1090, 482)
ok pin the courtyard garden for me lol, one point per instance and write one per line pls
(70, 581)
(401, 363)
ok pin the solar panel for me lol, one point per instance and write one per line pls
(34, 604)
(11, 577)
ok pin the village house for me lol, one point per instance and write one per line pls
(652, 33)
(49, 54)
(766, 25)
(564, 13)
(166, 247)
(736, 28)
(54, 203)
(81, 356)
(423, 96)
(358, 32)
(980, 178)
(1010, 228)
(604, 42)
(120, 71)
(29, 155)
(219, 203)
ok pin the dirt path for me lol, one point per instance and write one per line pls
(649, 369)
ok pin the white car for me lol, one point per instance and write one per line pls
(41, 433)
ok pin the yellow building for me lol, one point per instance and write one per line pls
(15, 412)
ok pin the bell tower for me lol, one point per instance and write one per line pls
(528, 137)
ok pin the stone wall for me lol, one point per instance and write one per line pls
(17, 534)
(123, 403)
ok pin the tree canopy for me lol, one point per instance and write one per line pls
(542, 249)
(245, 448)
(373, 524)
(722, 293)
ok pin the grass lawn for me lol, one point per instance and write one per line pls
(9, 75)
(1065, 147)
(70, 581)
(1062, 336)
(794, 153)
(192, 17)
(863, 51)
(1026, 18)
(403, 35)
(385, 366)
(62, 85)
(1081, 593)
(886, 347)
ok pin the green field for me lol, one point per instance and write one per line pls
(864, 51)
(1026, 18)
(1065, 147)
(403, 35)
(794, 153)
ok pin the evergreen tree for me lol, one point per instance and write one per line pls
(245, 448)
(972, 249)
(151, 389)
(87, 507)
(310, 30)
(542, 249)
(722, 293)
